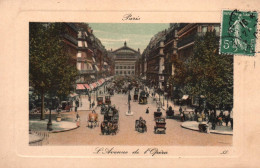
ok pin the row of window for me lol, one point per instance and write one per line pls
(125, 72)
(125, 67)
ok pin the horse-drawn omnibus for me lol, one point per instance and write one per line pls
(142, 98)
(160, 125)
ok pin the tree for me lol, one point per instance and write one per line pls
(51, 68)
(207, 72)
(210, 73)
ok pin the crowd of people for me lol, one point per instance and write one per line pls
(209, 116)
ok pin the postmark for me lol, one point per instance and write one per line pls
(238, 32)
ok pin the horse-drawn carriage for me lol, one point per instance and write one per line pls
(100, 101)
(142, 98)
(160, 125)
(157, 114)
(107, 100)
(103, 109)
(170, 113)
(110, 123)
(111, 92)
(140, 125)
(93, 120)
(109, 127)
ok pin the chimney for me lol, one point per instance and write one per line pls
(125, 43)
(139, 50)
(111, 49)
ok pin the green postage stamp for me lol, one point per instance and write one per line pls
(238, 32)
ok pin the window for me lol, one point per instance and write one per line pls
(128, 67)
(124, 72)
(204, 29)
(79, 54)
(133, 72)
(128, 72)
(133, 67)
(116, 72)
(120, 72)
(80, 44)
(217, 30)
(124, 67)
(120, 67)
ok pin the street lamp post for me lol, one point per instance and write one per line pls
(51, 106)
(163, 99)
(129, 112)
(167, 94)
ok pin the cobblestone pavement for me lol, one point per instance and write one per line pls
(175, 134)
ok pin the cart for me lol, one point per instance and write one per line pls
(157, 115)
(99, 101)
(170, 113)
(107, 100)
(160, 126)
(140, 126)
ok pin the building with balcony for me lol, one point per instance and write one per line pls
(187, 34)
(125, 60)
(153, 60)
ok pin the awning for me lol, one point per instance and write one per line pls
(80, 87)
(185, 97)
(96, 67)
(98, 84)
(105, 63)
(87, 86)
(73, 95)
(90, 66)
(94, 85)
(91, 86)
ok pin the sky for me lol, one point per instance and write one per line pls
(136, 35)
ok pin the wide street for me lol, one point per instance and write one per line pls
(175, 134)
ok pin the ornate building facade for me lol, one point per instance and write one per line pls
(125, 60)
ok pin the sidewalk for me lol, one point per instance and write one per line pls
(41, 125)
(194, 125)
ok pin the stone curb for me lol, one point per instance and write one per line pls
(194, 129)
(35, 141)
(64, 130)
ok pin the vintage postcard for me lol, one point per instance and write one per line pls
(119, 87)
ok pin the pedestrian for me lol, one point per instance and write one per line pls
(78, 120)
(199, 117)
(212, 119)
(192, 116)
(189, 116)
(147, 110)
(203, 116)
(196, 110)
(226, 117)
(180, 110)
(76, 105)
(231, 118)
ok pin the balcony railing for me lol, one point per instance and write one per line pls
(71, 39)
(87, 71)
(186, 40)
